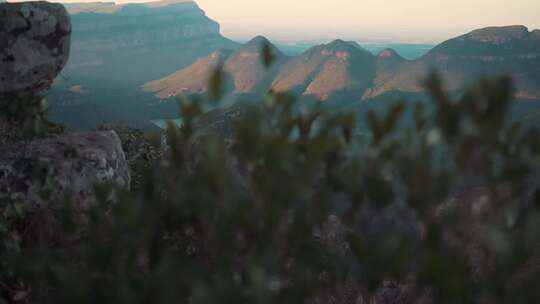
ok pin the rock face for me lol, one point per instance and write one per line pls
(34, 45)
(108, 36)
(66, 165)
(107, 26)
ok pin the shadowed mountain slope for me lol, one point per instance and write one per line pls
(511, 50)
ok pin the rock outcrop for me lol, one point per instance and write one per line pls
(62, 167)
(34, 45)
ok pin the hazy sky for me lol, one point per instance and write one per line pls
(402, 20)
(416, 20)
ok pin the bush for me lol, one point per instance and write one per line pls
(294, 208)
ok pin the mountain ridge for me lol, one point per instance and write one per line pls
(511, 50)
(243, 66)
(345, 69)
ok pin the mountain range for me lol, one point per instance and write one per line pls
(344, 70)
(126, 59)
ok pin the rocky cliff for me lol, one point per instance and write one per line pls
(35, 43)
(116, 48)
(157, 35)
(107, 26)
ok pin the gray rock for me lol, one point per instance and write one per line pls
(47, 171)
(34, 46)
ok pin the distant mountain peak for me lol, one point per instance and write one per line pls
(256, 44)
(341, 49)
(258, 40)
(342, 45)
(499, 35)
(339, 44)
(246, 65)
(389, 53)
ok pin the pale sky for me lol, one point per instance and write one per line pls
(365, 20)
(429, 20)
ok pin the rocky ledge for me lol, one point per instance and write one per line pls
(62, 167)
(34, 47)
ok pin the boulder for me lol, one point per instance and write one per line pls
(44, 172)
(34, 46)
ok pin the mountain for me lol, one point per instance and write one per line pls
(117, 49)
(344, 71)
(388, 60)
(511, 50)
(326, 70)
(192, 79)
(244, 67)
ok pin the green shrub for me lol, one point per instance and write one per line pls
(293, 208)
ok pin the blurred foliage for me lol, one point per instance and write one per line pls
(293, 208)
(25, 118)
(143, 150)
